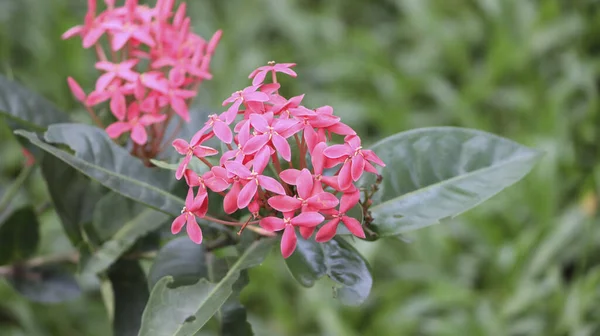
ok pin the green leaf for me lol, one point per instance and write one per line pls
(74, 196)
(130, 293)
(27, 108)
(99, 158)
(441, 172)
(147, 221)
(19, 236)
(51, 283)
(182, 259)
(164, 165)
(339, 261)
(184, 310)
(110, 214)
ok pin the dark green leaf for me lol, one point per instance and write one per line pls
(27, 108)
(441, 172)
(51, 283)
(339, 261)
(181, 259)
(147, 221)
(232, 315)
(99, 158)
(74, 196)
(130, 293)
(197, 303)
(19, 236)
(110, 214)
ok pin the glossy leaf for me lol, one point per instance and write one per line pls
(26, 108)
(130, 293)
(182, 259)
(441, 172)
(97, 157)
(339, 261)
(51, 283)
(147, 221)
(73, 196)
(184, 310)
(19, 236)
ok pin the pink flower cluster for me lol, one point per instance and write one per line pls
(154, 66)
(257, 128)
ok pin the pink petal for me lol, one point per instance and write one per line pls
(256, 143)
(214, 41)
(223, 132)
(256, 96)
(304, 184)
(290, 176)
(271, 184)
(119, 39)
(193, 230)
(180, 107)
(139, 135)
(103, 81)
(337, 151)
(247, 194)
(116, 129)
(150, 119)
(238, 169)
(92, 37)
(358, 167)
(327, 231)
(341, 128)
(306, 231)
(259, 77)
(284, 203)
(345, 176)
(204, 151)
(349, 200)
(182, 167)
(72, 32)
(230, 200)
(323, 200)
(354, 226)
(259, 123)
(371, 156)
(181, 146)
(288, 241)
(232, 111)
(311, 138)
(317, 157)
(178, 224)
(282, 146)
(272, 223)
(189, 199)
(217, 184)
(309, 219)
(76, 89)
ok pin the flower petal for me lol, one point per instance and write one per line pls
(259, 123)
(337, 151)
(358, 167)
(306, 231)
(349, 200)
(285, 203)
(323, 200)
(282, 146)
(288, 241)
(327, 231)
(345, 176)
(272, 223)
(247, 194)
(255, 143)
(178, 224)
(354, 226)
(309, 219)
(116, 129)
(223, 132)
(181, 146)
(271, 184)
(290, 176)
(230, 200)
(193, 230)
(139, 135)
(304, 184)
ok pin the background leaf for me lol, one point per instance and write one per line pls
(130, 293)
(185, 309)
(26, 107)
(19, 236)
(98, 157)
(51, 283)
(182, 259)
(339, 261)
(441, 172)
(147, 221)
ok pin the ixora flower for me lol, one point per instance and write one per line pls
(262, 130)
(151, 71)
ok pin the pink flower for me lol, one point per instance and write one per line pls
(121, 70)
(194, 148)
(254, 178)
(260, 73)
(124, 31)
(220, 127)
(135, 123)
(247, 95)
(309, 198)
(274, 131)
(289, 240)
(327, 231)
(194, 206)
(355, 160)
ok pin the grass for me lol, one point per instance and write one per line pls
(524, 263)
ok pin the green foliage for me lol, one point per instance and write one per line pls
(525, 263)
(19, 236)
(196, 303)
(439, 173)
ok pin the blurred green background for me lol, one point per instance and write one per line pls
(524, 263)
